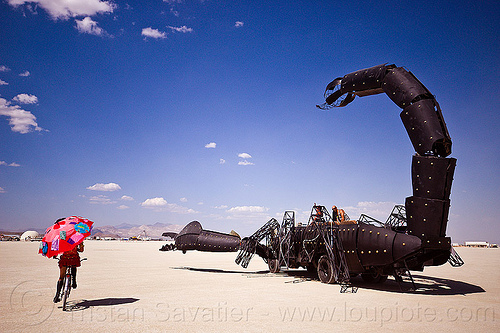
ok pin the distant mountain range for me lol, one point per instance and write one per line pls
(126, 230)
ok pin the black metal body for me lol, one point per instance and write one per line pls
(193, 237)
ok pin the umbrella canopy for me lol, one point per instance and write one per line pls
(64, 235)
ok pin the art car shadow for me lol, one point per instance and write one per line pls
(298, 275)
(109, 301)
(214, 270)
(425, 285)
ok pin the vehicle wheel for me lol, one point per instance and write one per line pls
(326, 271)
(274, 266)
(66, 290)
(373, 277)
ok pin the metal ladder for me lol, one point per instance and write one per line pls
(334, 249)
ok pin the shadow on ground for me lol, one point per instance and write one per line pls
(425, 285)
(214, 270)
(110, 301)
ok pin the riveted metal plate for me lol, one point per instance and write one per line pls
(217, 242)
(364, 79)
(432, 176)
(427, 217)
(426, 128)
(402, 87)
(405, 245)
(348, 236)
(375, 245)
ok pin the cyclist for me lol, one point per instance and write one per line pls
(68, 258)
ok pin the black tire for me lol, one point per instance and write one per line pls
(274, 266)
(326, 271)
(66, 291)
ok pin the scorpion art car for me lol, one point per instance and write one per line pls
(337, 248)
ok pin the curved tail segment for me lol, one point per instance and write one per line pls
(432, 173)
(193, 237)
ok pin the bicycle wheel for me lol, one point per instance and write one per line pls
(66, 290)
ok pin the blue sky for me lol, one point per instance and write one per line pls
(181, 110)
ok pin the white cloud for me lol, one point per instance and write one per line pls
(182, 29)
(2, 190)
(25, 74)
(89, 26)
(13, 164)
(3, 83)
(183, 199)
(101, 200)
(248, 214)
(247, 209)
(238, 24)
(4, 68)
(109, 187)
(25, 99)
(64, 9)
(174, 12)
(127, 198)
(222, 161)
(221, 207)
(153, 33)
(123, 207)
(244, 155)
(154, 202)
(377, 210)
(20, 120)
(160, 204)
(211, 145)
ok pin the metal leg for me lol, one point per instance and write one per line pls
(411, 277)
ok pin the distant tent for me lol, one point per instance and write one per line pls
(29, 235)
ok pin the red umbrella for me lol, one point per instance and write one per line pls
(64, 235)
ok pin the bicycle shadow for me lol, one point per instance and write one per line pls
(109, 301)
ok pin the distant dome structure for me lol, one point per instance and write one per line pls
(29, 235)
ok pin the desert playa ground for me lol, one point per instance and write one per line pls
(131, 286)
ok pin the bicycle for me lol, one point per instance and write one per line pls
(66, 289)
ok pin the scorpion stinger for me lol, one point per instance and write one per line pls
(432, 173)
